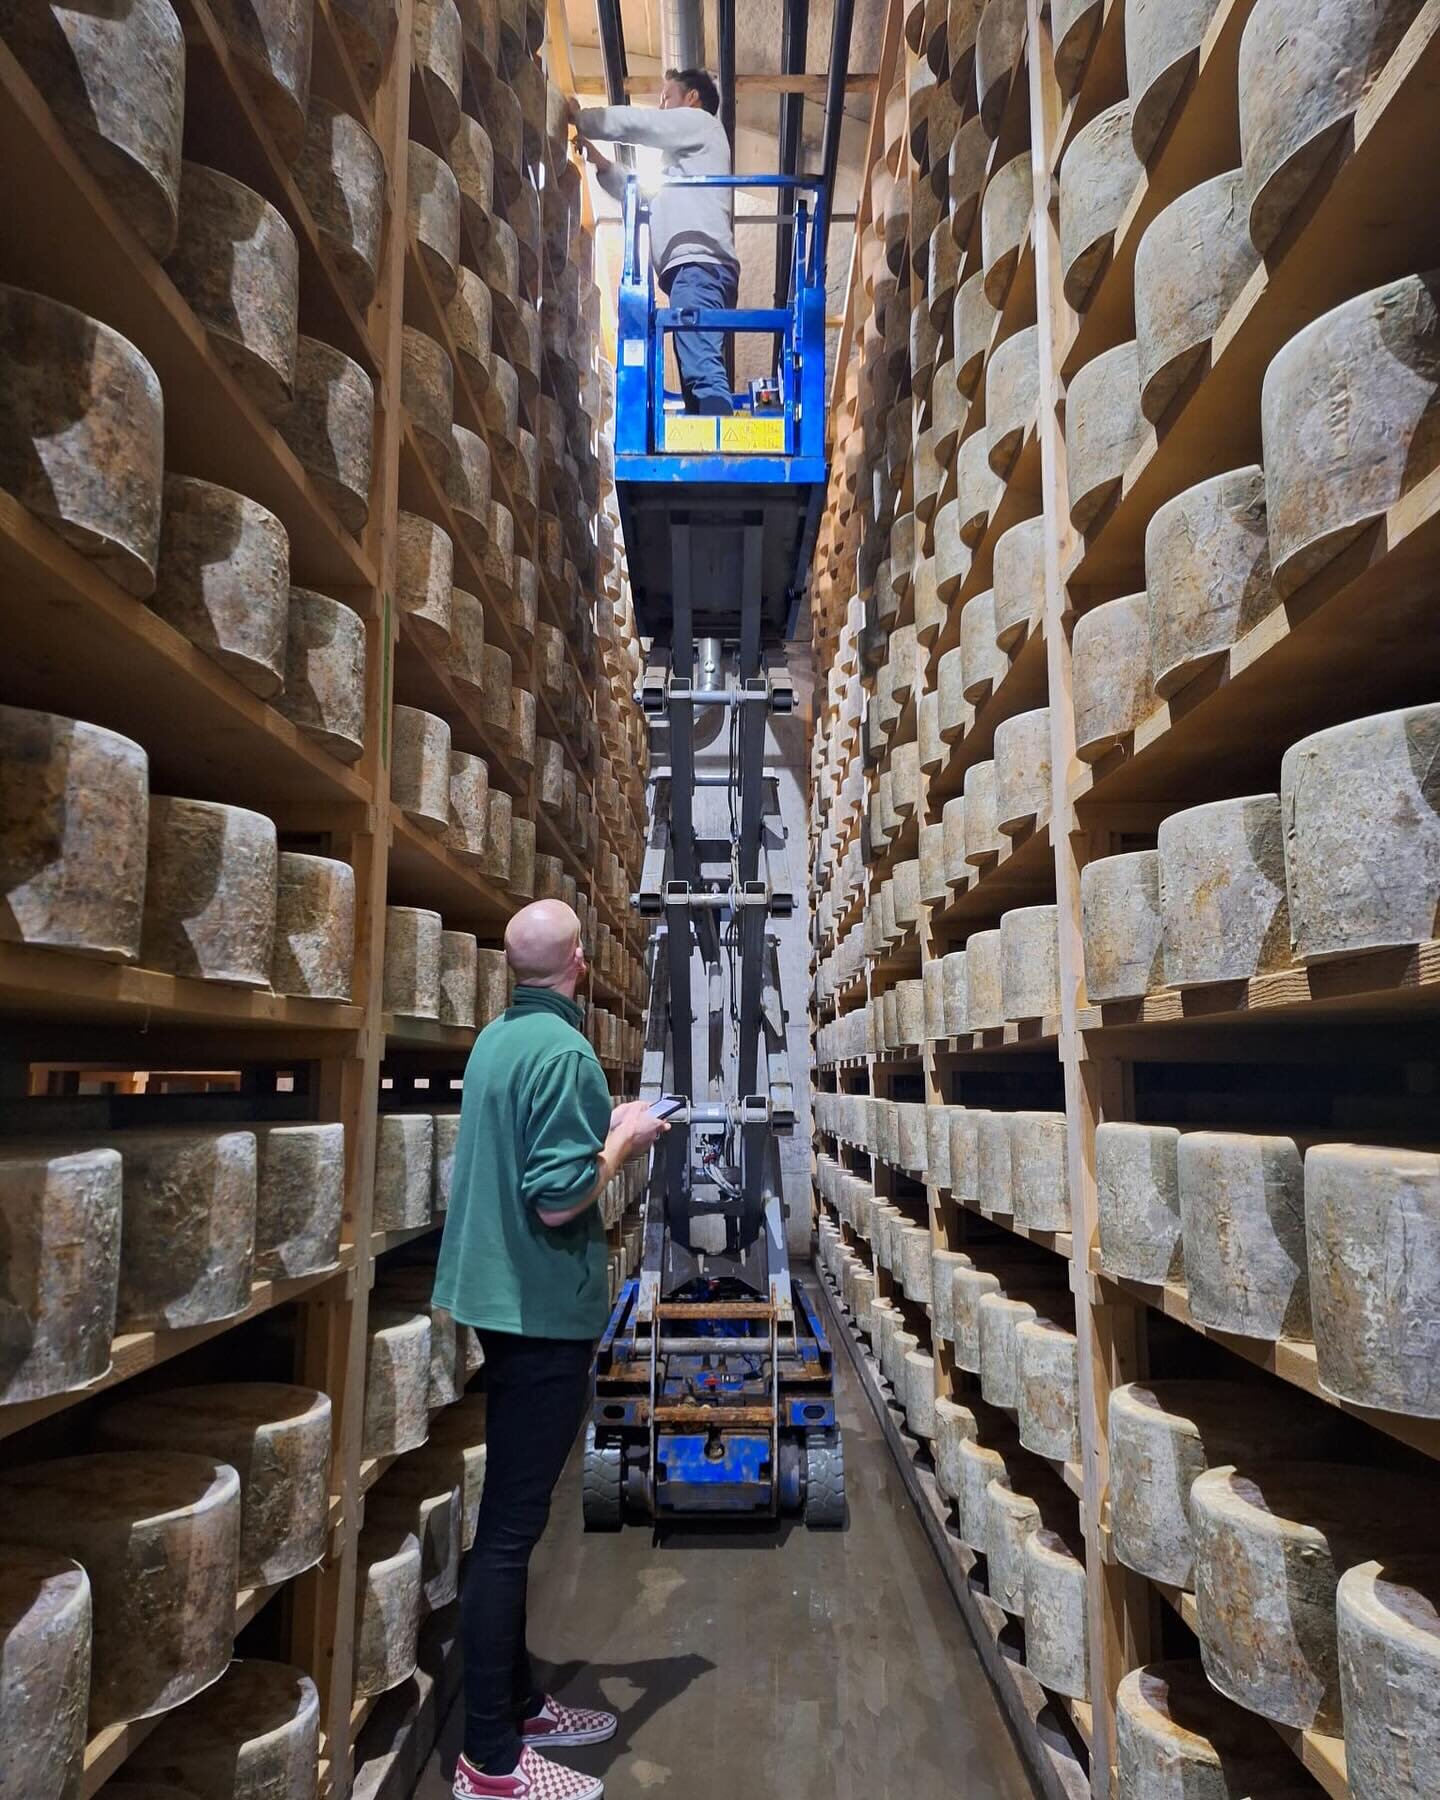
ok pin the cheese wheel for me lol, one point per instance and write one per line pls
(1361, 810)
(1120, 926)
(314, 927)
(387, 1608)
(255, 1734)
(324, 692)
(276, 1438)
(1207, 574)
(1374, 1274)
(1162, 41)
(1190, 266)
(299, 1200)
(160, 1534)
(60, 1209)
(81, 438)
(1104, 430)
(74, 813)
(187, 1245)
(1223, 909)
(237, 263)
(331, 429)
(404, 1171)
(1098, 175)
(115, 82)
(412, 962)
(1388, 1632)
(223, 579)
(1242, 1212)
(45, 1621)
(1137, 1180)
(1348, 422)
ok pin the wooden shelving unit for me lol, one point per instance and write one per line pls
(1334, 1051)
(79, 646)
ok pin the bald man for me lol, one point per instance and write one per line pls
(524, 1260)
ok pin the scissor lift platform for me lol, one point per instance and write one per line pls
(714, 1382)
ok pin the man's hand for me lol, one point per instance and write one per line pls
(634, 1128)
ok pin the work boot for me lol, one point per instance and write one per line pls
(557, 1724)
(534, 1777)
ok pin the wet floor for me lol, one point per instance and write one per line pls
(778, 1665)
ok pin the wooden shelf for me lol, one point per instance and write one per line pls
(1362, 223)
(68, 628)
(1288, 1359)
(133, 1352)
(424, 873)
(224, 128)
(1022, 688)
(50, 984)
(98, 264)
(426, 1034)
(1358, 636)
(1060, 1775)
(1377, 985)
(381, 1241)
(1024, 875)
(1201, 139)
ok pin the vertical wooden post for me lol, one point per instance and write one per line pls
(1109, 1338)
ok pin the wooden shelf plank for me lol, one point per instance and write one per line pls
(1378, 984)
(424, 873)
(426, 1034)
(1023, 875)
(134, 1352)
(40, 983)
(68, 628)
(98, 264)
(1287, 1358)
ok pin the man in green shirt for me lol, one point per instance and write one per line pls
(524, 1260)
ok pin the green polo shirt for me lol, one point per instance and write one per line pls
(534, 1115)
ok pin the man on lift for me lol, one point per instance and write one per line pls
(692, 230)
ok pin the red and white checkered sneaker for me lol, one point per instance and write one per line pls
(557, 1724)
(534, 1777)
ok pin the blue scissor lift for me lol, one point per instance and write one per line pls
(714, 1380)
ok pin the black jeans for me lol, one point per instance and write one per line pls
(537, 1390)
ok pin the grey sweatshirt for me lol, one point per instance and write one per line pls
(690, 225)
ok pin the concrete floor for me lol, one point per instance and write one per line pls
(780, 1665)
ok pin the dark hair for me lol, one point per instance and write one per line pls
(696, 81)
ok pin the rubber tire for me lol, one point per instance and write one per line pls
(603, 1502)
(824, 1481)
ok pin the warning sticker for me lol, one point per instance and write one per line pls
(743, 434)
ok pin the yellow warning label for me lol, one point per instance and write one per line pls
(688, 433)
(744, 433)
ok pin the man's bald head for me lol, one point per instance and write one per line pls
(541, 943)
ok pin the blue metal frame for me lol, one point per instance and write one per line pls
(640, 352)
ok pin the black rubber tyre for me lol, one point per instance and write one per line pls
(603, 1502)
(824, 1480)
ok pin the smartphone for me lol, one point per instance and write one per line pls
(666, 1105)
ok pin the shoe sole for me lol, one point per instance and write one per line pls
(569, 1740)
(595, 1793)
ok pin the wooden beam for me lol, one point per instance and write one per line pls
(813, 87)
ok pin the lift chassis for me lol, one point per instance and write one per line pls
(714, 1381)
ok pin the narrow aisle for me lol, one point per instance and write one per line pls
(781, 1665)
